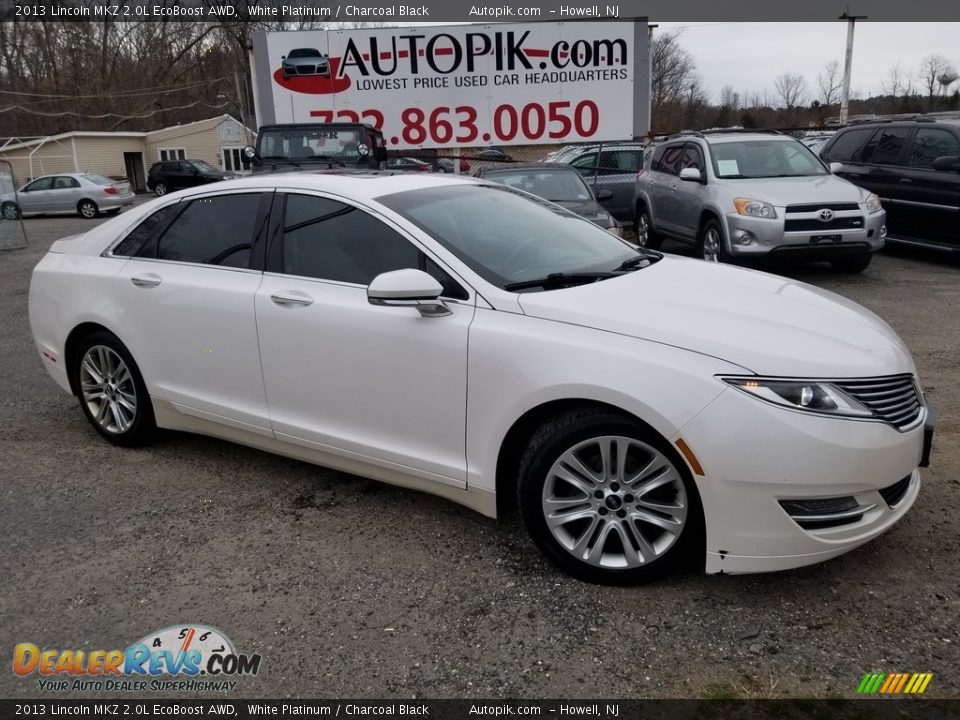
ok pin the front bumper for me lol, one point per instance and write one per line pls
(754, 455)
(748, 237)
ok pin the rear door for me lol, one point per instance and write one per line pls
(65, 194)
(186, 305)
(929, 200)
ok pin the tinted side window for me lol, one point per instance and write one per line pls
(931, 143)
(328, 240)
(884, 149)
(136, 242)
(692, 158)
(214, 230)
(585, 163)
(671, 158)
(847, 146)
(65, 183)
(616, 162)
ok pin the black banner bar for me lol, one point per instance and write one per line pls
(872, 709)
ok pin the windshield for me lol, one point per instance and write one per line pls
(507, 237)
(204, 167)
(306, 143)
(553, 185)
(764, 159)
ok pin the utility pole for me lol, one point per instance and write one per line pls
(848, 64)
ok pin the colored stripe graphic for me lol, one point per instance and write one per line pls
(894, 683)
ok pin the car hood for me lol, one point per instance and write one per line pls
(765, 323)
(799, 190)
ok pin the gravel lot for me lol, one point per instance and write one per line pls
(354, 589)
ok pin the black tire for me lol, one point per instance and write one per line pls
(852, 263)
(705, 243)
(651, 240)
(569, 430)
(160, 189)
(11, 211)
(88, 209)
(141, 426)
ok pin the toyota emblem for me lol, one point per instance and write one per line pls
(825, 215)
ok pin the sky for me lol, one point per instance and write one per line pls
(748, 56)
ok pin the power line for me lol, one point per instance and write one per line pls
(155, 90)
(112, 115)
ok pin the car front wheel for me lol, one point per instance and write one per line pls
(710, 243)
(112, 393)
(11, 211)
(606, 500)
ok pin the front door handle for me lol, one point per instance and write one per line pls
(673, 187)
(905, 181)
(286, 300)
(146, 281)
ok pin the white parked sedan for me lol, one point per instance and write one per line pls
(475, 342)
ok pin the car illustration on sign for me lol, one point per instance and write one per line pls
(304, 61)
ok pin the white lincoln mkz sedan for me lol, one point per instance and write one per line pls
(475, 342)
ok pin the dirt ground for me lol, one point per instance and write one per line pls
(350, 588)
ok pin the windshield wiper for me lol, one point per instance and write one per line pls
(560, 279)
(637, 262)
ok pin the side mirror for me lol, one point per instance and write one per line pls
(836, 167)
(690, 174)
(283, 57)
(947, 163)
(410, 288)
(604, 195)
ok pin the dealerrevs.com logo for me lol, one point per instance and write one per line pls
(181, 657)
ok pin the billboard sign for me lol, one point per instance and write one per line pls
(461, 85)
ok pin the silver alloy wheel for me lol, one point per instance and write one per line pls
(88, 209)
(10, 211)
(160, 189)
(108, 389)
(711, 245)
(643, 229)
(615, 502)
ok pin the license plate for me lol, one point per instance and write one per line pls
(825, 238)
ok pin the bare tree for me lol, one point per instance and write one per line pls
(931, 70)
(729, 98)
(791, 88)
(899, 82)
(671, 68)
(829, 82)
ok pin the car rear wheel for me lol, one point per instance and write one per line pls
(853, 263)
(710, 243)
(160, 189)
(112, 393)
(88, 209)
(646, 236)
(11, 211)
(605, 499)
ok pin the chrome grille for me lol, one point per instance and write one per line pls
(892, 399)
(816, 207)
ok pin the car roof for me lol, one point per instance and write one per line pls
(514, 167)
(719, 138)
(357, 184)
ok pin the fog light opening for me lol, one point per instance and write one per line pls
(745, 237)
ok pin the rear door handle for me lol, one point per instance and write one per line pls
(905, 181)
(286, 300)
(146, 281)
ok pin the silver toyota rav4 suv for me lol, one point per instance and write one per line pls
(755, 195)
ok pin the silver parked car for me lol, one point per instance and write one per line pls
(755, 195)
(86, 194)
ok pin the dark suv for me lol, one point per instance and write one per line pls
(611, 172)
(914, 166)
(169, 175)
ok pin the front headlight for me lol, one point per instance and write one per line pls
(812, 395)
(873, 203)
(754, 208)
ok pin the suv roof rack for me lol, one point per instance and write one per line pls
(722, 131)
(908, 117)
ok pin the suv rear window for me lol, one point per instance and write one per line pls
(847, 146)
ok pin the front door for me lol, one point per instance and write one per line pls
(344, 376)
